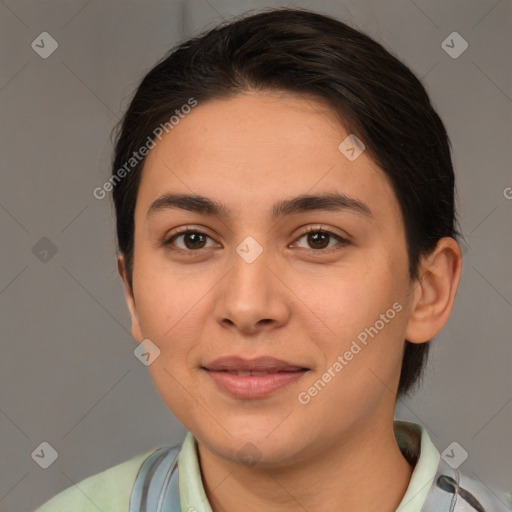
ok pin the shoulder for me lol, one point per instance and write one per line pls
(109, 490)
(480, 496)
(450, 489)
(457, 491)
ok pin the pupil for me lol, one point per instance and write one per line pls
(314, 240)
(192, 237)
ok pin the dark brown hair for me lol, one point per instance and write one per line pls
(378, 98)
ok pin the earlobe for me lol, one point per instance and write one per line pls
(129, 298)
(437, 284)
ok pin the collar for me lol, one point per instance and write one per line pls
(417, 447)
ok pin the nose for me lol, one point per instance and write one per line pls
(252, 298)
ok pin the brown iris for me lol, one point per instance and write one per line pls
(318, 240)
(197, 240)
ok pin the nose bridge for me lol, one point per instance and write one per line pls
(252, 297)
(251, 267)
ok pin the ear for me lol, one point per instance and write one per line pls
(434, 295)
(130, 299)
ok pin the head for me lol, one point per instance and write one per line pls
(251, 115)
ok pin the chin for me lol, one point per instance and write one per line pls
(254, 447)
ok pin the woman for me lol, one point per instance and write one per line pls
(284, 197)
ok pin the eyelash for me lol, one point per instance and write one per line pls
(312, 229)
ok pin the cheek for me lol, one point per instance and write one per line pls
(353, 298)
(168, 303)
(365, 310)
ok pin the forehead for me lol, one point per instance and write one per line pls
(262, 146)
(264, 123)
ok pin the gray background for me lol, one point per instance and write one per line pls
(68, 375)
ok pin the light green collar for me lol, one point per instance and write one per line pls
(414, 439)
(192, 495)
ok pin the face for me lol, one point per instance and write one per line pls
(321, 285)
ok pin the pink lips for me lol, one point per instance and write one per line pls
(243, 378)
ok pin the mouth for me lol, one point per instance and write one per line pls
(245, 373)
(255, 378)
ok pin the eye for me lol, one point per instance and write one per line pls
(320, 239)
(192, 239)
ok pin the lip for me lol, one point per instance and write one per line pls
(258, 364)
(280, 374)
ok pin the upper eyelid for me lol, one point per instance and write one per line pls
(188, 229)
(319, 227)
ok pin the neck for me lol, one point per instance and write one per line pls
(364, 471)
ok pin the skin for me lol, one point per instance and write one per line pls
(296, 301)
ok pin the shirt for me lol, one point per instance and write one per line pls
(434, 486)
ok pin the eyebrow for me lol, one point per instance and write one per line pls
(299, 204)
